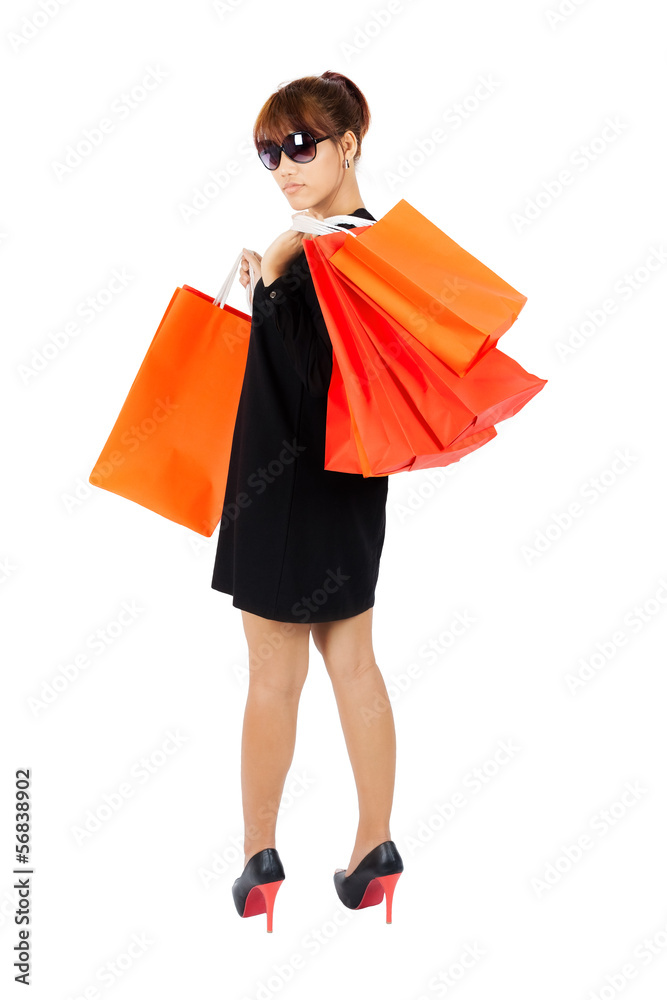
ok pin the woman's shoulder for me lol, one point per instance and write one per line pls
(363, 213)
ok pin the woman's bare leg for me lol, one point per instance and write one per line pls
(367, 720)
(278, 661)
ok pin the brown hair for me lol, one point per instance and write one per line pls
(330, 104)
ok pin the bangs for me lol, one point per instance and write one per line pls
(284, 113)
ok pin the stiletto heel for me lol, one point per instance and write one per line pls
(261, 899)
(374, 877)
(255, 890)
(388, 883)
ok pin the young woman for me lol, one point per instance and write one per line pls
(299, 546)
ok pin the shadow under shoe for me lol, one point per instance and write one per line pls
(254, 891)
(375, 876)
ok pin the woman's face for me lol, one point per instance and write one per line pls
(307, 185)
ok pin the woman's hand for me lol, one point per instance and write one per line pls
(248, 260)
(284, 249)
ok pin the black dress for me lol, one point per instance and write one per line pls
(297, 542)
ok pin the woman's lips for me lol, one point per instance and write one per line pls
(292, 187)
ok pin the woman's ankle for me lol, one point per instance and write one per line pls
(251, 849)
(366, 842)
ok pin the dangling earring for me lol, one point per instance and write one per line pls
(346, 164)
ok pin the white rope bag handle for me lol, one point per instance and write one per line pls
(302, 224)
(320, 227)
(226, 288)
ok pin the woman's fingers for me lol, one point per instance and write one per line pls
(244, 275)
(248, 257)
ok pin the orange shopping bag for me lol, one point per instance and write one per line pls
(495, 388)
(387, 438)
(169, 448)
(393, 405)
(445, 297)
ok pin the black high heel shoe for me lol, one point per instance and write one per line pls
(254, 891)
(375, 876)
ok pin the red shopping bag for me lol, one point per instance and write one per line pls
(447, 298)
(495, 388)
(344, 451)
(399, 403)
(169, 448)
(390, 440)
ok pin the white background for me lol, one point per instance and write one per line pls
(500, 878)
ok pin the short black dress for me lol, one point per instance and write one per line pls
(297, 542)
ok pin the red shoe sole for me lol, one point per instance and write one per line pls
(383, 885)
(261, 899)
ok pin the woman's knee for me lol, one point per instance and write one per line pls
(351, 668)
(277, 654)
(346, 646)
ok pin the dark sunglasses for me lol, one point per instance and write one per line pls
(299, 146)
